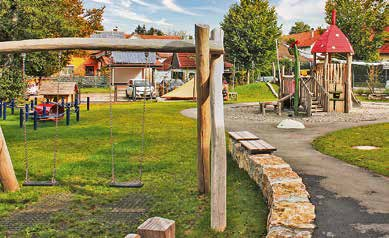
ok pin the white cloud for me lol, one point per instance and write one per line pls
(130, 15)
(172, 6)
(309, 11)
(102, 1)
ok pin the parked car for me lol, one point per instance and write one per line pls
(138, 88)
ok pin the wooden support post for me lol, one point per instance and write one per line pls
(348, 84)
(157, 227)
(7, 173)
(203, 108)
(218, 141)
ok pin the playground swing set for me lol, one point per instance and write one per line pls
(211, 156)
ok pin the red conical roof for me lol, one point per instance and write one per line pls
(333, 40)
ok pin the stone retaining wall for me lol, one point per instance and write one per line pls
(291, 213)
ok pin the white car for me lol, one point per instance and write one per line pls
(142, 88)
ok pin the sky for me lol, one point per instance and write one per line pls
(182, 15)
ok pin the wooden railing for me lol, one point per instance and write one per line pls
(321, 94)
(306, 97)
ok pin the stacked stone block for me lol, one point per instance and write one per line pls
(291, 213)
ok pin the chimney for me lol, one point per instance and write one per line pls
(312, 33)
(334, 17)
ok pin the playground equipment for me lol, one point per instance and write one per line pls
(210, 64)
(136, 183)
(46, 111)
(329, 87)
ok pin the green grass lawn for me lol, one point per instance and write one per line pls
(94, 90)
(366, 99)
(339, 145)
(169, 173)
(256, 92)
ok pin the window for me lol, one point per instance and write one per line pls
(178, 75)
(89, 71)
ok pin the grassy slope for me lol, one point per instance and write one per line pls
(94, 90)
(169, 172)
(339, 145)
(256, 92)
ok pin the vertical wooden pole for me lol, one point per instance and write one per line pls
(7, 173)
(218, 141)
(349, 86)
(203, 107)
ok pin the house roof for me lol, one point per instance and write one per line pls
(120, 57)
(283, 53)
(305, 39)
(333, 40)
(188, 61)
(152, 37)
(167, 64)
(384, 49)
(109, 34)
(57, 88)
(126, 57)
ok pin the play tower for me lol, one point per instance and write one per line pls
(331, 85)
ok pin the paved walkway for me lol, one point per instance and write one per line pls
(350, 201)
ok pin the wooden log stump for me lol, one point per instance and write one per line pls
(157, 227)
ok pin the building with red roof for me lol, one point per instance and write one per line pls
(384, 50)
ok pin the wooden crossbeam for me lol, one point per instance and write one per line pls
(184, 46)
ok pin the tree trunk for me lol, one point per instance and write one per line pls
(248, 76)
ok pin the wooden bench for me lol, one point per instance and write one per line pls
(243, 135)
(258, 147)
(263, 106)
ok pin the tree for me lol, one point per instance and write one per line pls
(251, 31)
(154, 31)
(363, 22)
(299, 27)
(30, 19)
(142, 30)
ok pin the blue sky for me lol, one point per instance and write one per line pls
(181, 15)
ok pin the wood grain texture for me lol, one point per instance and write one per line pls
(7, 173)
(218, 142)
(184, 46)
(157, 227)
(258, 146)
(243, 135)
(203, 108)
(348, 84)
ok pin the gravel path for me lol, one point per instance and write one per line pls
(350, 201)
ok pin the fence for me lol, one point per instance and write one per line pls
(87, 81)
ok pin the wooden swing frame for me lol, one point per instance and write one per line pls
(211, 142)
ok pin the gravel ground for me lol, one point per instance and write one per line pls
(367, 112)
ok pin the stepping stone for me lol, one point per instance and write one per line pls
(290, 124)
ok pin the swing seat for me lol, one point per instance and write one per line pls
(131, 184)
(40, 183)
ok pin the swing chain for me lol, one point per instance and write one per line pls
(56, 124)
(26, 163)
(113, 179)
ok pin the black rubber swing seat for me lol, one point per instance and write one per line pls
(40, 183)
(132, 184)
